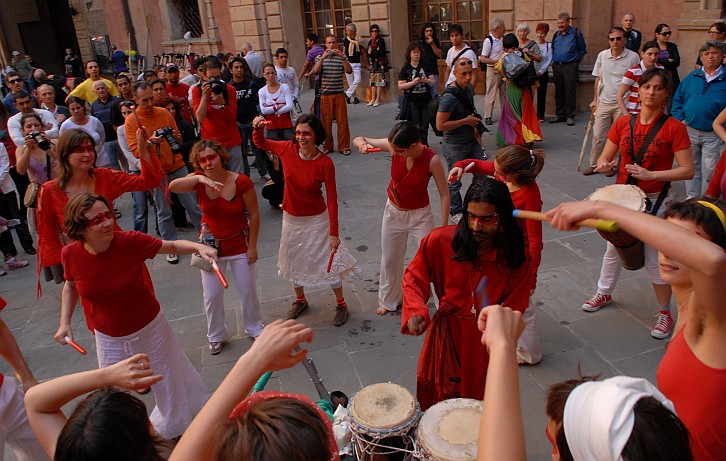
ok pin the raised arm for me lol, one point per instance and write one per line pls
(273, 350)
(43, 402)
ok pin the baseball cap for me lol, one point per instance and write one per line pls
(16, 53)
(220, 55)
(171, 66)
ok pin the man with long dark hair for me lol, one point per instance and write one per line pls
(479, 261)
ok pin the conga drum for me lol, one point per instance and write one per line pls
(382, 420)
(629, 248)
(449, 431)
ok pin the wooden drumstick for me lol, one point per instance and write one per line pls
(600, 224)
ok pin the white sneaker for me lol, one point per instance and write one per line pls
(172, 258)
(455, 218)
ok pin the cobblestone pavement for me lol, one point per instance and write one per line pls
(369, 349)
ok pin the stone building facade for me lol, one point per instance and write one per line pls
(153, 27)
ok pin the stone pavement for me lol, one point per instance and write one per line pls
(369, 349)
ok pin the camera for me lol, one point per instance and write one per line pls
(38, 137)
(331, 52)
(167, 133)
(479, 127)
(218, 86)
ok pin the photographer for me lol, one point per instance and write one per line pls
(157, 122)
(462, 127)
(215, 105)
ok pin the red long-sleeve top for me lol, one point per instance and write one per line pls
(52, 204)
(304, 180)
(527, 198)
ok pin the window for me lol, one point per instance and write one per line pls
(188, 19)
(444, 13)
(323, 17)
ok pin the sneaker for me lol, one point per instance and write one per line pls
(556, 120)
(488, 121)
(596, 302)
(341, 315)
(345, 152)
(356, 100)
(14, 263)
(663, 326)
(370, 103)
(29, 250)
(215, 347)
(376, 104)
(455, 218)
(172, 259)
(298, 307)
(570, 121)
(347, 99)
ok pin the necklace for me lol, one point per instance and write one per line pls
(305, 157)
(472, 283)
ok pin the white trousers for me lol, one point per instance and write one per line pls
(245, 276)
(15, 429)
(353, 80)
(181, 394)
(397, 225)
(528, 346)
(611, 264)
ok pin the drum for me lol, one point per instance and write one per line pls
(449, 431)
(628, 247)
(382, 419)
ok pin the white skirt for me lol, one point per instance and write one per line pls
(305, 250)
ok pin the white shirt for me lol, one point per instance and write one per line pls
(451, 54)
(492, 49)
(288, 76)
(16, 130)
(269, 100)
(711, 77)
(611, 70)
(546, 53)
(6, 181)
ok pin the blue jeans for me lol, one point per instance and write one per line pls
(454, 152)
(163, 207)
(260, 155)
(141, 208)
(113, 152)
(706, 146)
(237, 160)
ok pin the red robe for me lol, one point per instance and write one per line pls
(453, 362)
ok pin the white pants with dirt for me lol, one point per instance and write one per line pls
(528, 346)
(15, 430)
(245, 277)
(397, 225)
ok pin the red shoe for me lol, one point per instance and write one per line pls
(596, 302)
(663, 326)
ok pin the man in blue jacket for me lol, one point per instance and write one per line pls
(568, 49)
(699, 99)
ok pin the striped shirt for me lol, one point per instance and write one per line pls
(631, 78)
(331, 76)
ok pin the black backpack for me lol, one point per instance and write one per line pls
(434, 103)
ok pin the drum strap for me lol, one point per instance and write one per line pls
(637, 159)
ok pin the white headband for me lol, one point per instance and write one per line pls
(599, 416)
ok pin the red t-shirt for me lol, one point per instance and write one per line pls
(696, 391)
(671, 138)
(304, 180)
(220, 124)
(180, 94)
(52, 204)
(226, 218)
(717, 186)
(115, 286)
(408, 189)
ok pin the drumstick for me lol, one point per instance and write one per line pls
(600, 224)
(330, 261)
(374, 149)
(469, 167)
(220, 275)
(75, 345)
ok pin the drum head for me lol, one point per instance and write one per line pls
(383, 406)
(449, 430)
(627, 195)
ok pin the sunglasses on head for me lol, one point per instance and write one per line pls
(666, 34)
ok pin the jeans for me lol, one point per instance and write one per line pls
(236, 162)
(565, 74)
(454, 152)
(141, 209)
(163, 207)
(435, 88)
(706, 148)
(245, 130)
(113, 153)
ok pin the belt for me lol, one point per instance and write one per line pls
(568, 62)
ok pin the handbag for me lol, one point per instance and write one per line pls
(403, 107)
(201, 263)
(30, 199)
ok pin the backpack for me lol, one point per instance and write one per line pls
(433, 107)
(513, 65)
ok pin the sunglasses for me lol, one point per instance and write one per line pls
(615, 39)
(375, 30)
(666, 34)
(100, 218)
(15, 80)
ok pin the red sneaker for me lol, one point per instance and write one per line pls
(663, 326)
(596, 302)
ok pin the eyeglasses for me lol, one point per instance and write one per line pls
(488, 219)
(304, 134)
(615, 39)
(714, 31)
(270, 73)
(465, 63)
(375, 30)
(207, 158)
(666, 34)
(15, 80)
(100, 218)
